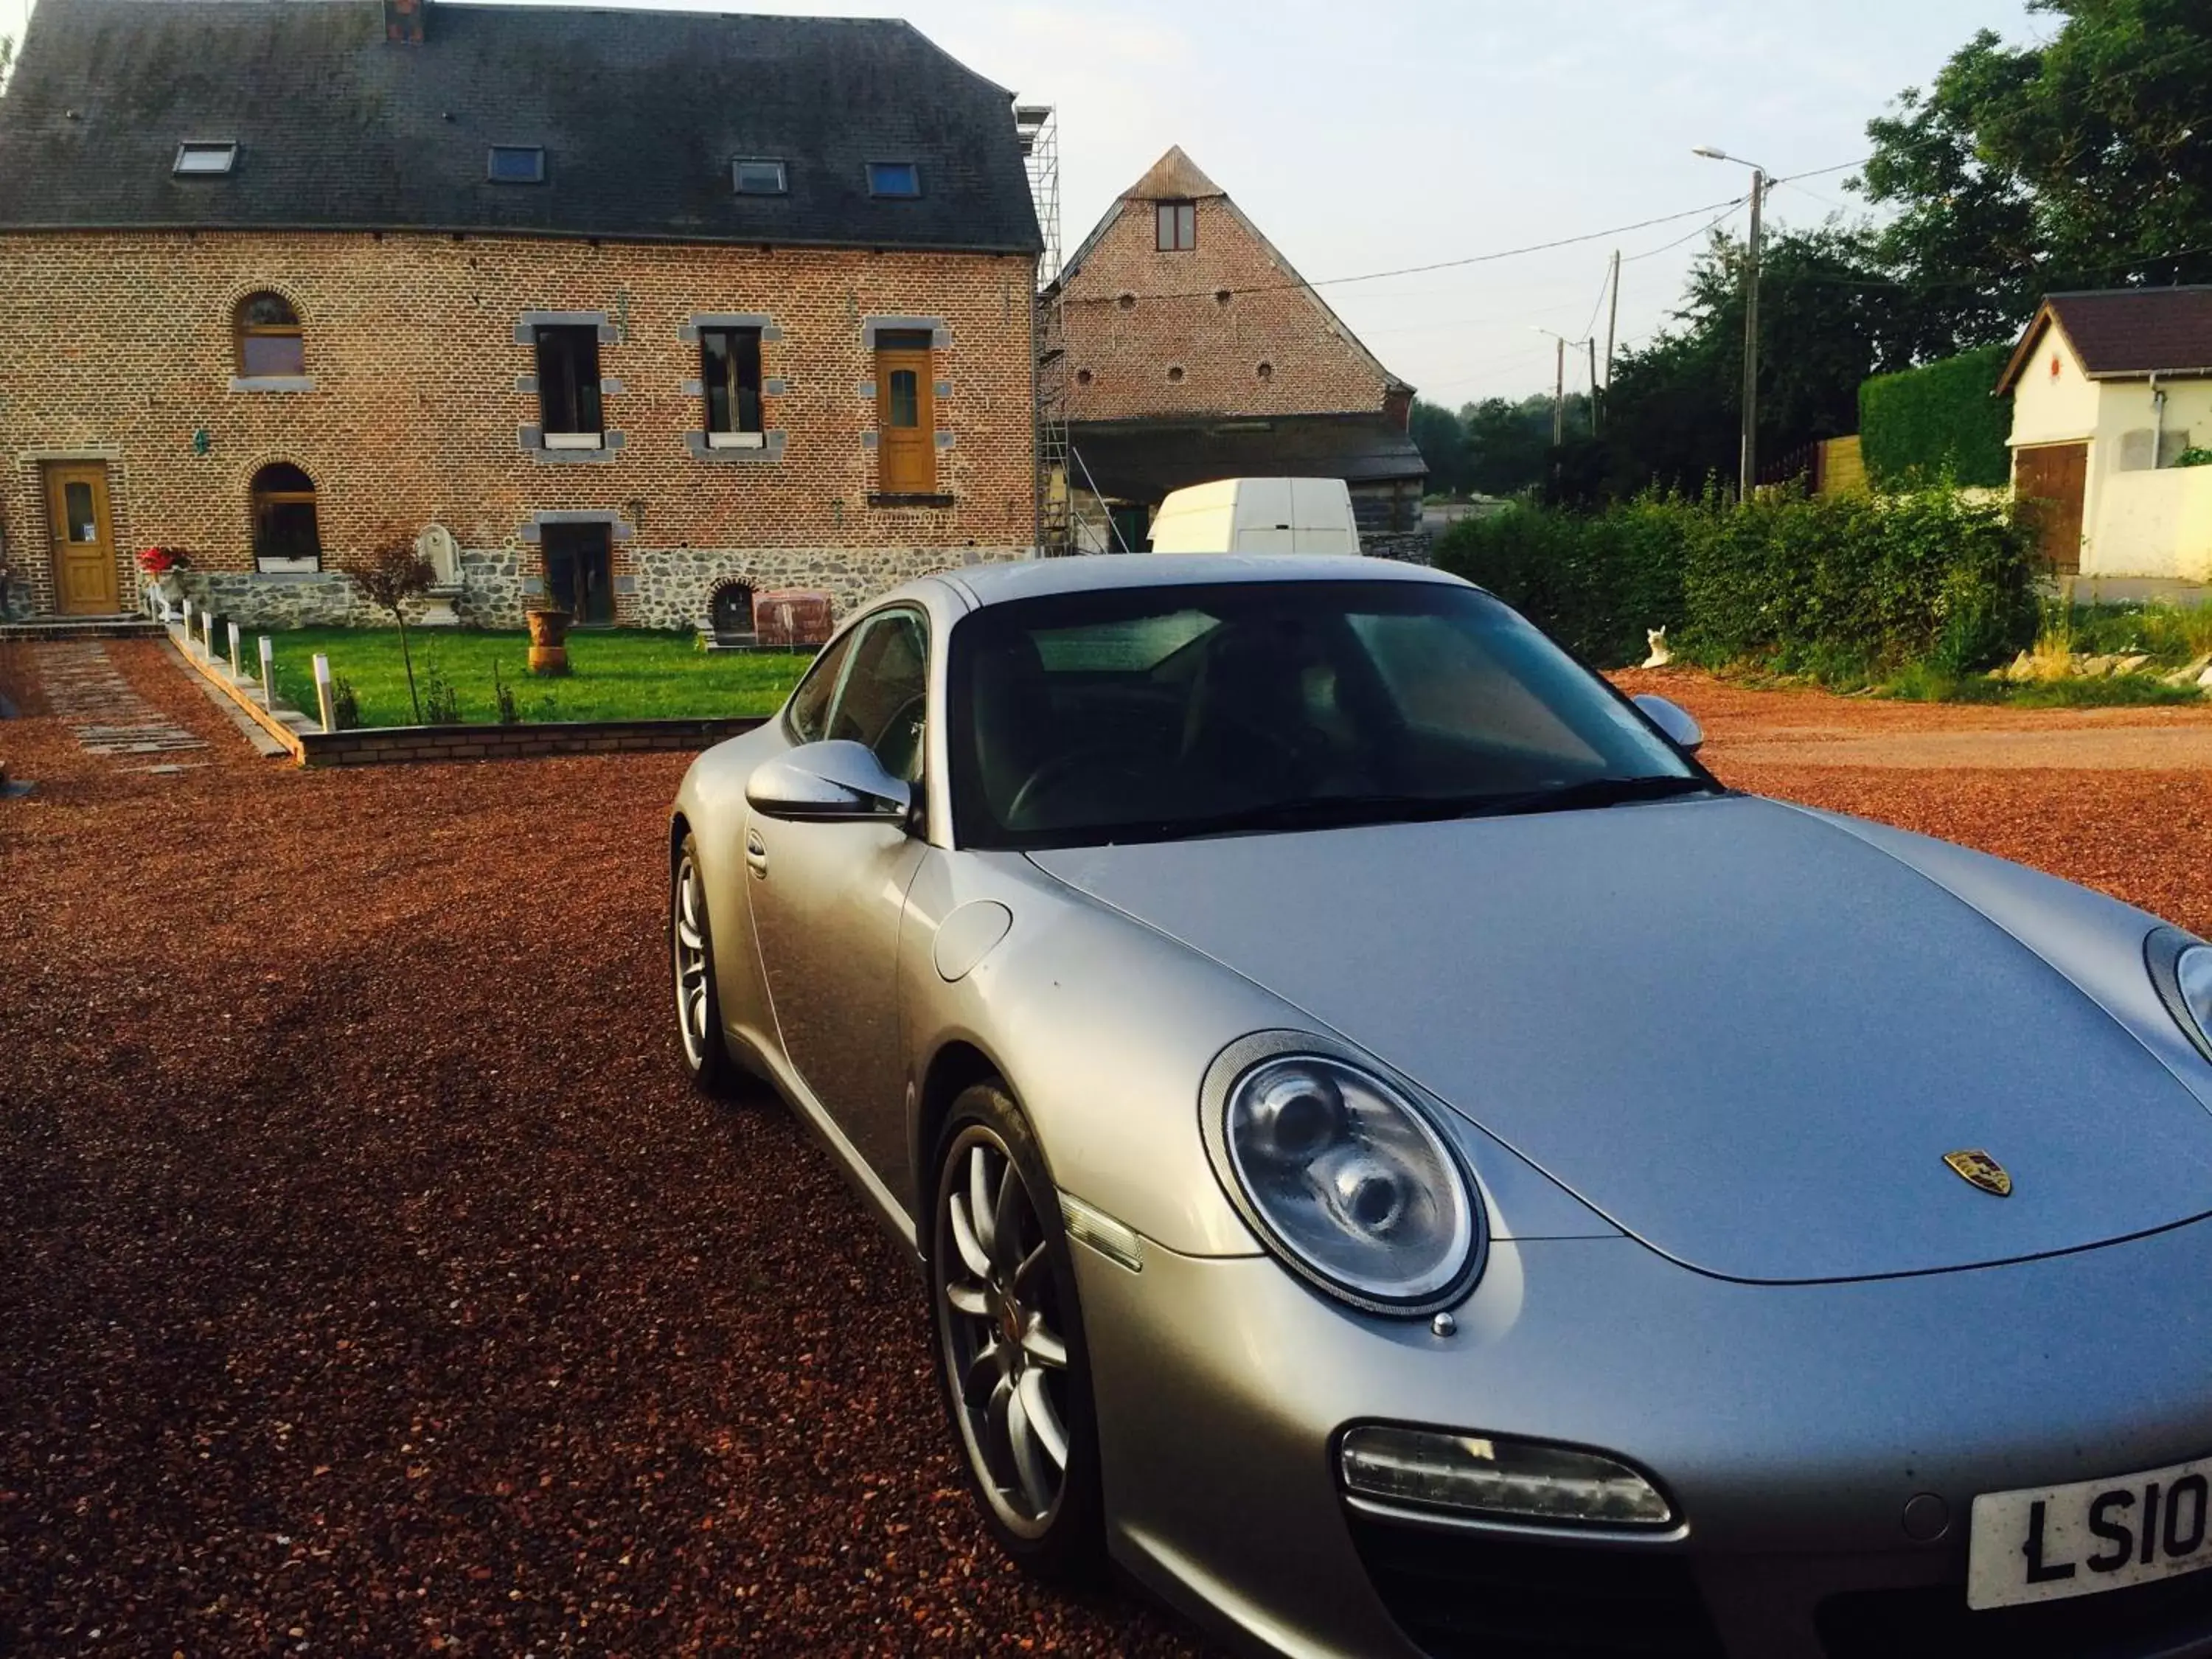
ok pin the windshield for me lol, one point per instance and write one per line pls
(1152, 714)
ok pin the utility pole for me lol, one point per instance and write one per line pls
(1592, 343)
(1747, 469)
(1560, 400)
(1748, 480)
(1612, 323)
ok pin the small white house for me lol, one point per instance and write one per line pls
(2110, 389)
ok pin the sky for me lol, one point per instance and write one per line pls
(1394, 133)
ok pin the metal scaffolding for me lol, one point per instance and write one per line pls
(1039, 126)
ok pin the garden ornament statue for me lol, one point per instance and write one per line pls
(1661, 656)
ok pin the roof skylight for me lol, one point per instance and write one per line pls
(761, 178)
(201, 158)
(515, 164)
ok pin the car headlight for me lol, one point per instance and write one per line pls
(2181, 967)
(1350, 1184)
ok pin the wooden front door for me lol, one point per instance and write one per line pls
(2051, 479)
(906, 420)
(84, 540)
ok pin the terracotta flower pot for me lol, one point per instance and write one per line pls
(547, 630)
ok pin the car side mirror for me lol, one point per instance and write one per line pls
(835, 783)
(1681, 728)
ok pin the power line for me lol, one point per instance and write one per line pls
(1416, 270)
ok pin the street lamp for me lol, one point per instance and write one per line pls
(1747, 479)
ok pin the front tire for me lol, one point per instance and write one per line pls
(706, 1056)
(1012, 1359)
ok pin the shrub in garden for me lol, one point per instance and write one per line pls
(345, 704)
(1852, 585)
(1592, 581)
(503, 696)
(441, 702)
(1841, 587)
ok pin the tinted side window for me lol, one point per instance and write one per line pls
(886, 692)
(808, 712)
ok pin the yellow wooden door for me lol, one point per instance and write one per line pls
(84, 540)
(906, 423)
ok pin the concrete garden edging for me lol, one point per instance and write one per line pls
(386, 746)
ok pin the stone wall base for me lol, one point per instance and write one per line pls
(654, 587)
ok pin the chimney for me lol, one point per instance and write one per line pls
(403, 22)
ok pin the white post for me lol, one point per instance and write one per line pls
(208, 630)
(322, 692)
(237, 671)
(268, 673)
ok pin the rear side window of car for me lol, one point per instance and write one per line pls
(808, 713)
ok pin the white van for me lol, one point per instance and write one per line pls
(1257, 515)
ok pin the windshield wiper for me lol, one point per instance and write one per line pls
(1335, 812)
(1592, 792)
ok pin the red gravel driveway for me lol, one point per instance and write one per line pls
(371, 1284)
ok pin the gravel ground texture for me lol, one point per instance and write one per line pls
(373, 1285)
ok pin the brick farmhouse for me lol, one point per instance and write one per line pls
(1188, 350)
(643, 305)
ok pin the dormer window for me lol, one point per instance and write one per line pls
(1175, 226)
(204, 158)
(897, 180)
(761, 178)
(515, 164)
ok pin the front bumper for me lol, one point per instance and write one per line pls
(1790, 1425)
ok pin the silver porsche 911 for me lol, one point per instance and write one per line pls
(1405, 1162)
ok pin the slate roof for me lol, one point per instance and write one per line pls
(2125, 333)
(1143, 460)
(639, 113)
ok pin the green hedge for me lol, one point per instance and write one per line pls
(1940, 421)
(1838, 587)
(1593, 581)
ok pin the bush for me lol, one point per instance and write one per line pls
(345, 704)
(1942, 421)
(1844, 586)
(1838, 587)
(441, 700)
(1594, 582)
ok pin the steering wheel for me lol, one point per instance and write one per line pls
(1285, 748)
(1110, 760)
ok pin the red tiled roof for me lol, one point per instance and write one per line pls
(2121, 333)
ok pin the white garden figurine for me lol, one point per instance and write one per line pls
(1661, 656)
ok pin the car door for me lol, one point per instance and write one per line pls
(827, 899)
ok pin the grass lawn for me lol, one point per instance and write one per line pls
(614, 674)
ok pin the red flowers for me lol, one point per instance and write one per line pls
(160, 560)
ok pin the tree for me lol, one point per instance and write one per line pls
(2084, 162)
(1437, 433)
(1828, 319)
(1508, 445)
(394, 574)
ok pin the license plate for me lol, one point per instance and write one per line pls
(2092, 1535)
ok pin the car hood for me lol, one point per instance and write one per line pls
(1744, 1035)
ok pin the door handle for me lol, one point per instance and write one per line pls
(756, 854)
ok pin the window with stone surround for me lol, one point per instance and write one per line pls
(730, 378)
(269, 343)
(1174, 227)
(568, 386)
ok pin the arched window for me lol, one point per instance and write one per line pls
(270, 346)
(285, 537)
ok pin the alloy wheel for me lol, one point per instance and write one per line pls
(688, 940)
(999, 1320)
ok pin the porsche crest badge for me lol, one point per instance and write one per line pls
(1980, 1169)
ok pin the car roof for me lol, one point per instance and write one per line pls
(1030, 579)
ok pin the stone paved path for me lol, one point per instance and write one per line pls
(106, 716)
